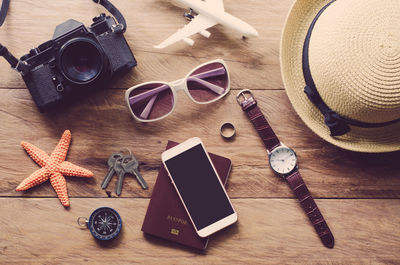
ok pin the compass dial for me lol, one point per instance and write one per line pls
(105, 223)
(283, 160)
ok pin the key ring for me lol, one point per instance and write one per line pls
(82, 224)
(127, 149)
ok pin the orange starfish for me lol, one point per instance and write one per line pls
(53, 167)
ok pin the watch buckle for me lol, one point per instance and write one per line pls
(242, 94)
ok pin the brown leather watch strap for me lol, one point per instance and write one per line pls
(295, 181)
(299, 188)
(268, 136)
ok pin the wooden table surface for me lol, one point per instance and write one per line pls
(358, 194)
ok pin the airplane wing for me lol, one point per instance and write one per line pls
(197, 24)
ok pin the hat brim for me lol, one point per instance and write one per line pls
(371, 140)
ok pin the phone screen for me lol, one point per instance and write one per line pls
(199, 187)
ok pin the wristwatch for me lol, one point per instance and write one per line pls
(283, 161)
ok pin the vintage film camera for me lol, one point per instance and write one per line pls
(77, 59)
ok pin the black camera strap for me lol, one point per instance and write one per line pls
(18, 65)
(14, 62)
(3, 11)
(114, 11)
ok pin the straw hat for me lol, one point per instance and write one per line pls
(352, 70)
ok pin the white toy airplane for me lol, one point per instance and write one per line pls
(210, 13)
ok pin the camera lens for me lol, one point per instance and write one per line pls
(81, 60)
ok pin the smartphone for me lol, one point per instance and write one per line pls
(199, 187)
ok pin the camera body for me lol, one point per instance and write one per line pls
(76, 60)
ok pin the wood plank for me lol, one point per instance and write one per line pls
(359, 194)
(273, 231)
(101, 124)
(150, 22)
(168, 68)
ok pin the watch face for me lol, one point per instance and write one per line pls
(283, 160)
(105, 223)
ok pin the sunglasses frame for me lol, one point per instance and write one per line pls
(177, 85)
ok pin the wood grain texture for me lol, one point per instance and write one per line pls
(358, 193)
(102, 124)
(268, 231)
(149, 23)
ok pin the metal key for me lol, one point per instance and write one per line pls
(119, 169)
(127, 165)
(132, 167)
(111, 170)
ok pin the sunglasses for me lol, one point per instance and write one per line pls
(154, 101)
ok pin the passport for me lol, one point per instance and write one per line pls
(166, 216)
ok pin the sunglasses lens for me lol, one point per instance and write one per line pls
(208, 82)
(151, 101)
